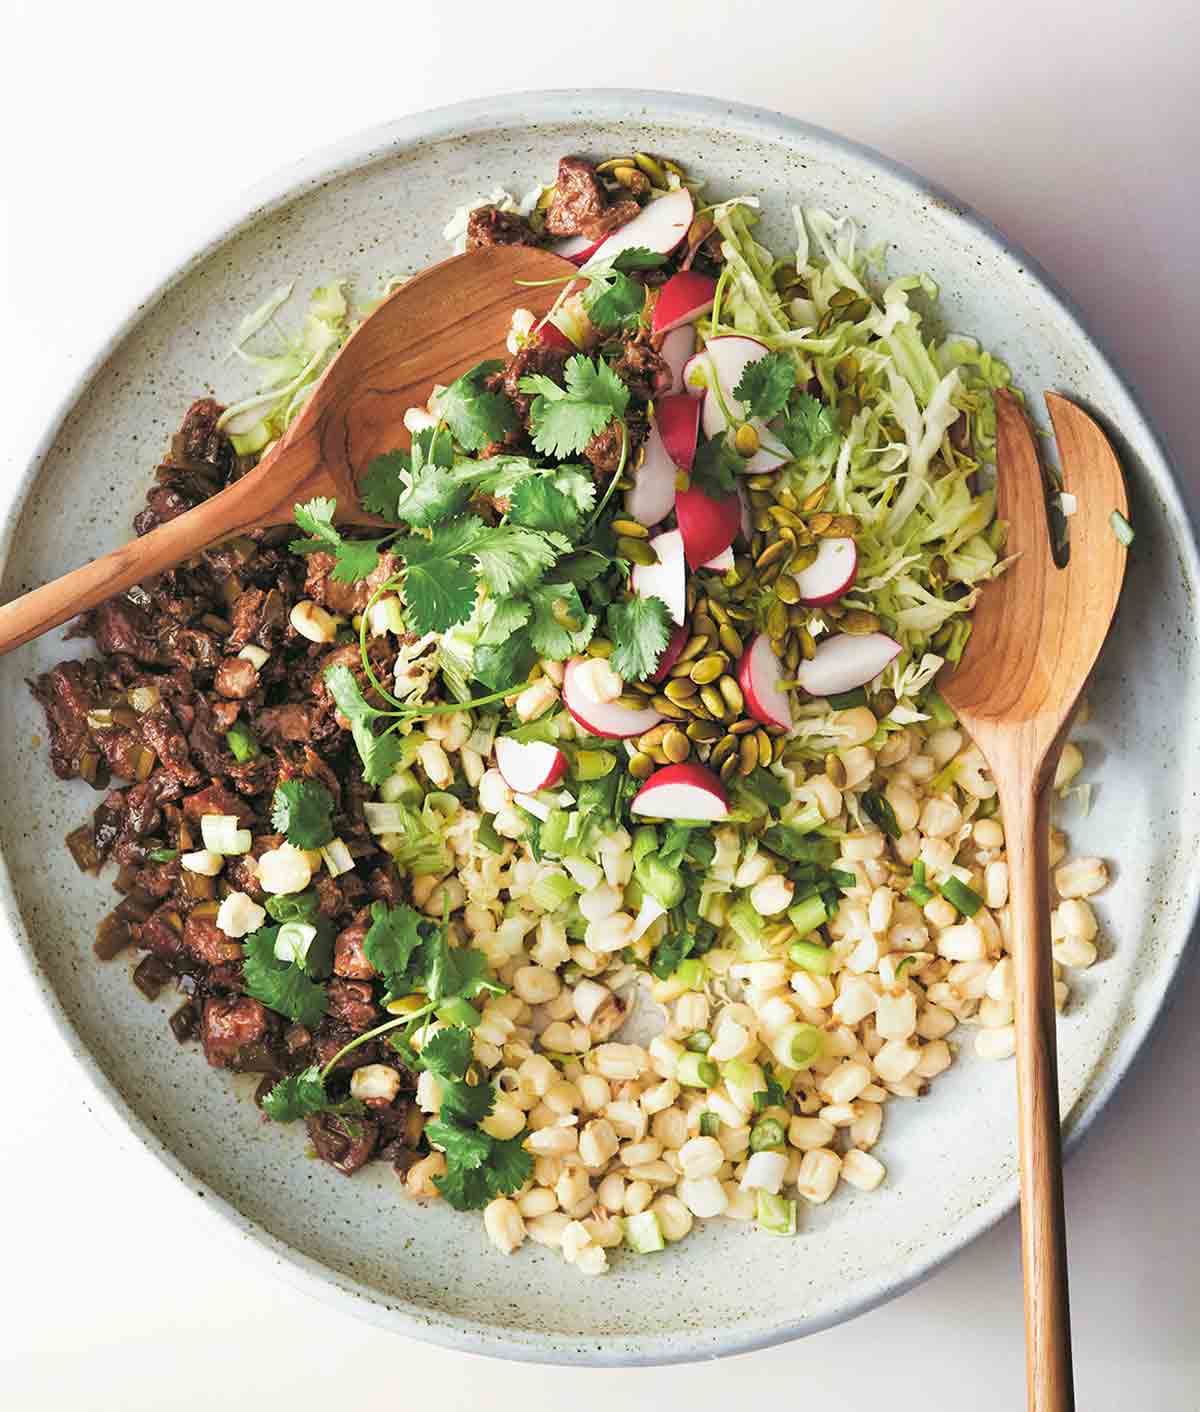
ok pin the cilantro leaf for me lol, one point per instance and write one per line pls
(639, 631)
(560, 626)
(473, 976)
(716, 467)
(808, 427)
(612, 300)
(416, 477)
(501, 664)
(510, 1166)
(302, 809)
(315, 518)
(463, 1146)
(393, 936)
(448, 1053)
(356, 558)
(511, 557)
(563, 421)
(303, 1094)
(638, 257)
(555, 502)
(280, 985)
(466, 1103)
(380, 489)
(474, 415)
(766, 384)
(380, 754)
(506, 1168)
(439, 581)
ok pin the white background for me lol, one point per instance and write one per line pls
(1075, 128)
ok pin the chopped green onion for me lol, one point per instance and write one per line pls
(242, 743)
(903, 964)
(810, 956)
(664, 884)
(553, 891)
(792, 845)
(809, 818)
(748, 927)
(294, 906)
(221, 834)
(808, 915)
(689, 974)
(459, 1012)
(919, 894)
(593, 764)
(767, 1133)
(643, 1234)
(163, 855)
(487, 835)
(844, 700)
(840, 878)
(293, 940)
(645, 842)
(695, 1071)
(775, 1214)
(699, 1042)
(880, 813)
(401, 788)
(961, 896)
(1121, 528)
(939, 708)
(710, 1124)
(918, 870)
(798, 1045)
(554, 832)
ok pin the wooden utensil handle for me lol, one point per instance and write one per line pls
(44, 608)
(1043, 1230)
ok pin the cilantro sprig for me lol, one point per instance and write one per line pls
(766, 384)
(564, 420)
(639, 630)
(283, 986)
(302, 809)
(355, 558)
(612, 300)
(809, 426)
(475, 415)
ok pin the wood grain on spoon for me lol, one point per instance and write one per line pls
(431, 330)
(1036, 633)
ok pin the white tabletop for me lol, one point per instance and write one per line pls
(1074, 127)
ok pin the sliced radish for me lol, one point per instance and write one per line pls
(659, 227)
(604, 718)
(553, 337)
(844, 662)
(722, 563)
(675, 645)
(830, 574)
(653, 495)
(724, 359)
(677, 347)
(576, 248)
(759, 675)
(682, 792)
(708, 526)
(684, 298)
(666, 579)
(678, 422)
(529, 766)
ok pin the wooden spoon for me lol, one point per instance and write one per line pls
(431, 330)
(1037, 631)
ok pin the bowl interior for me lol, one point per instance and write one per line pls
(376, 209)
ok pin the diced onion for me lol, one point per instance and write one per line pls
(383, 818)
(221, 834)
(337, 857)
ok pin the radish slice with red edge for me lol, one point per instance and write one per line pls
(686, 297)
(722, 563)
(658, 226)
(682, 792)
(759, 675)
(604, 718)
(677, 347)
(843, 662)
(653, 495)
(726, 358)
(675, 645)
(529, 766)
(678, 422)
(666, 579)
(576, 248)
(553, 337)
(708, 526)
(830, 574)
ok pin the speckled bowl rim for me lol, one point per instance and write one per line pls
(251, 207)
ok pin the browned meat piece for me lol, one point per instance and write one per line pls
(345, 1143)
(164, 502)
(346, 598)
(241, 873)
(198, 438)
(351, 1004)
(66, 694)
(208, 943)
(229, 1028)
(292, 721)
(533, 358)
(384, 884)
(140, 803)
(580, 205)
(161, 934)
(216, 799)
(236, 678)
(488, 225)
(349, 959)
(121, 626)
(643, 371)
(122, 749)
(604, 449)
(258, 616)
(191, 648)
(330, 898)
(160, 731)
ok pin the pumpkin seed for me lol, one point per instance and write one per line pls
(761, 482)
(676, 746)
(746, 440)
(841, 297)
(747, 755)
(802, 558)
(698, 644)
(730, 641)
(652, 169)
(658, 755)
(698, 709)
(652, 737)
(787, 589)
(858, 310)
(740, 614)
(641, 766)
(858, 622)
(791, 658)
(680, 669)
(612, 163)
(719, 614)
(631, 701)
(742, 726)
(778, 746)
(812, 500)
(691, 596)
(732, 694)
(703, 732)
(777, 620)
(819, 524)
(729, 767)
(709, 668)
(679, 689)
(772, 554)
(671, 166)
(723, 749)
(630, 529)
(599, 647)
(783, 516)
(632, 180)
(797, 615)
(666, 707)
(764, 747)
(714, 701)
(883, 703)
(845, 525)
(835, 768)
(683, 482)
(700, 229)
(646, 688)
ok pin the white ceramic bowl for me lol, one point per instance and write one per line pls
(373, 206)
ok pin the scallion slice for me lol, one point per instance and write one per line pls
(808, 915)
(959, 895)
(695, 1071)
(811, 957)
(1121, 528)
(767, 1133)
(242, 743)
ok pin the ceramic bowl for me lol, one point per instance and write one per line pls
(374, 206)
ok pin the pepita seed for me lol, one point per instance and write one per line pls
(740, 614)
(683, 482)
(845, 525)
(698, 709)
(729, 768)
(631, 529)
(772, 554)
(693, 593)
(835, 768)
(764, 747)
(718, 610)
(632, 180)
(612, 163)
(812, 500)
(777, 620)
(805, 555)
(637, 551)
(599, 647)
(883, 703)
(858, 310)
(676, 747)
(787, 589)
(652, 737)
(763, 522)
(785, 497)
(696, 645)
(658, 755)
(761, 482)
(631, 701)
(791, 658)
(645, 688)
(641, 766)
(747, 755)
(666, 707)
(731, 578)
(730, 641)
(841, 297)
(732, 694)
(652, 169)
(783, 516)
(703, 731)
(778, 746)
(714, 701)
(709, 668)
(671, 166)
(746, 440)
(797, 615)
(858, 622)
(700, 229)
(679, 689)
(680, 669)
(723, 749)
(820, 523)
(742, 727)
